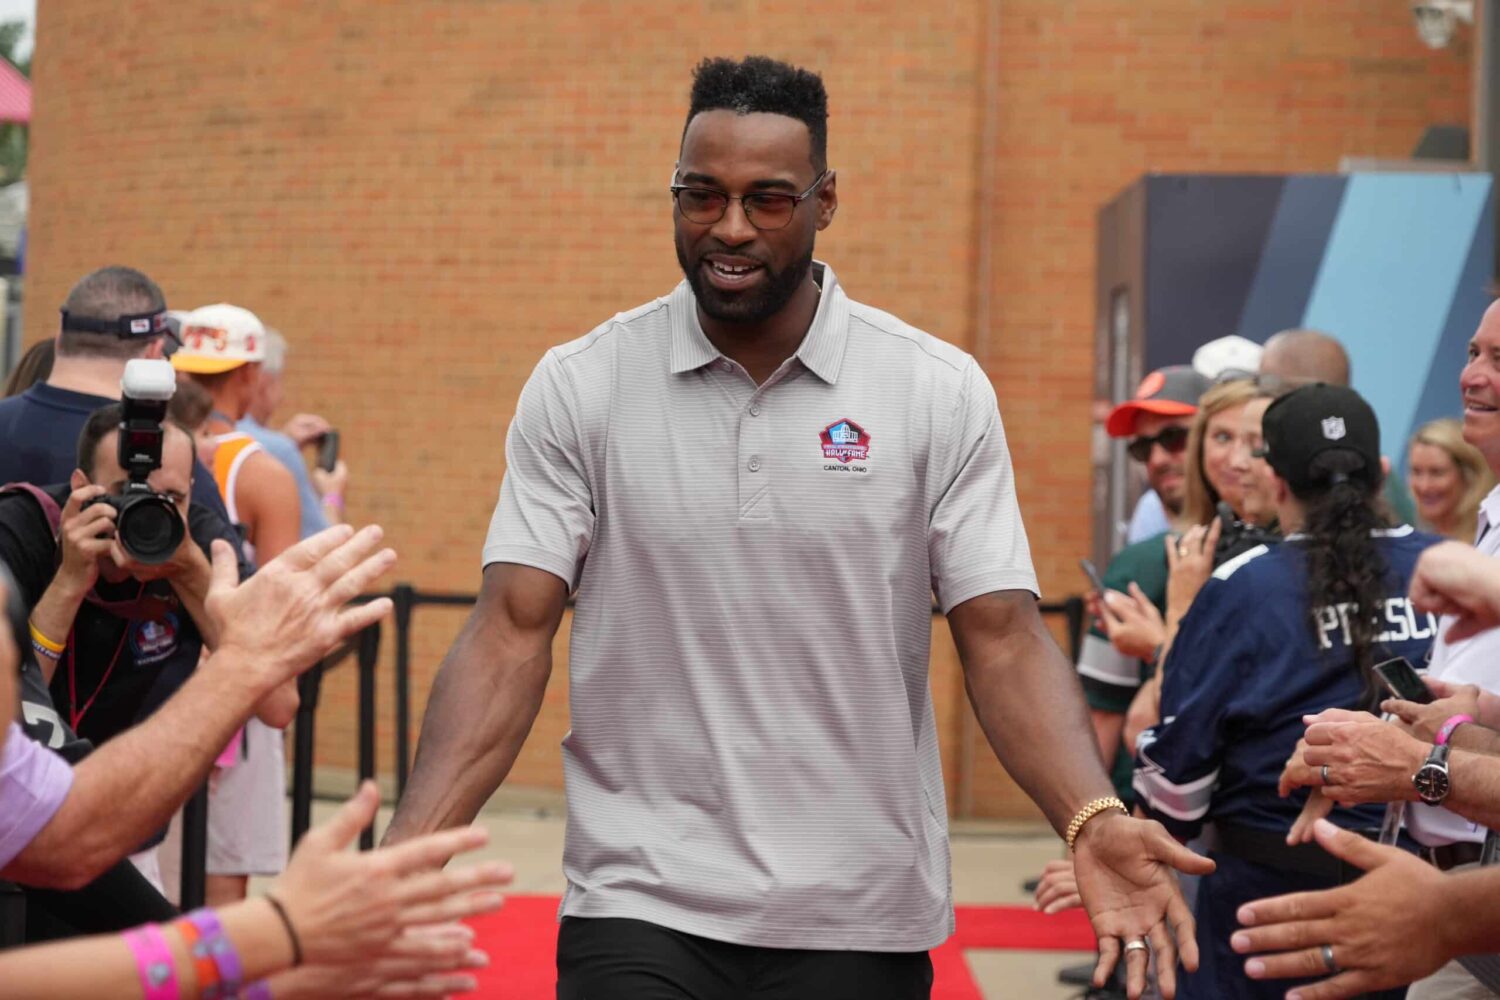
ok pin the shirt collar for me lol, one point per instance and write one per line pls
(821, 351)
(1489, 512)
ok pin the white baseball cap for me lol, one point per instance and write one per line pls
(1227, 354)
(219, 338)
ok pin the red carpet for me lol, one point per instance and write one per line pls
(522, 942)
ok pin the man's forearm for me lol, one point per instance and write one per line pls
(1476, 895)
(191, 587)
(485, 698)
(53, 616)
(1030, 705)
(1474, 782)
(128, 788)
(1476, 739)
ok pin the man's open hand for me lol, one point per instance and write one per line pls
(296, 608)
(1124, 868)
(1383, 929)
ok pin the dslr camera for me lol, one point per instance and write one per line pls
(148, 523)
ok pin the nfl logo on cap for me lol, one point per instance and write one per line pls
(1333, 428)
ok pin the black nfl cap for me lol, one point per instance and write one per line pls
(1301, 426)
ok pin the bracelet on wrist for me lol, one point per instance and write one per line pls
(217, 961)
(1446, 730)
(153, 963)
(1088, 812)
(291, 932)
(334, 500)
(40, 640)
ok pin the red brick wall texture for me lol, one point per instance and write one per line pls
(426, 195)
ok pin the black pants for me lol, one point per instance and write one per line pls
(116, 900)
(635, 960)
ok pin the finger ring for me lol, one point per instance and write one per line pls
(1139, 944)
(1324, 773)
(1328, 962)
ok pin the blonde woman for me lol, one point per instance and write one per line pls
(1448, 478)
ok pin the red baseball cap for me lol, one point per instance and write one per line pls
(1166, 392)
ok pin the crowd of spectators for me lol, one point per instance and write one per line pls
(139, 663)
(1240, 672)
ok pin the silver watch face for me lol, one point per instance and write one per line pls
(1431, 782)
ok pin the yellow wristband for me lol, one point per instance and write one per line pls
(37, 636)
(1088, 812)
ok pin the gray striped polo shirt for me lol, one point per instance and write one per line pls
(753, 756)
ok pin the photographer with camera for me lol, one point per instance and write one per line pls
(118, 622)
(58, 824)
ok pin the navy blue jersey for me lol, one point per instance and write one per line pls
(1246, 665)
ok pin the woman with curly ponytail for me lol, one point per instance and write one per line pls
(1346, 567)
(1279, 632)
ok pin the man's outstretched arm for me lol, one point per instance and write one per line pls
(484, 700)
(1031, 708)
(274, 625)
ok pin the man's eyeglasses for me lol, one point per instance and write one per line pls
(766, 210)
(1172, 439)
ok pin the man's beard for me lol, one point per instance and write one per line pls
(752, 306)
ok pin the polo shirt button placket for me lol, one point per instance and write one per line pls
(754, 463)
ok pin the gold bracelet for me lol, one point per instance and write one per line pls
(52, 645)
(1088, 812)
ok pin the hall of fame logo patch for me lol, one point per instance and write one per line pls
(155, 640)
(844, 441)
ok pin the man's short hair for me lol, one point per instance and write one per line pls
(759, 84)
(107, 294)
(101, 424)
(191, 404)
(1304, 356)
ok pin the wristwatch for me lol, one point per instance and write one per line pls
(1431, 779)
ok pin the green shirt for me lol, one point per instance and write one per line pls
(1110, 678)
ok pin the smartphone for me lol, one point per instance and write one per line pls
(328, 451)
(1403, 681)
(1093, 575)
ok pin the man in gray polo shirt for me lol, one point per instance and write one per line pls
(755, 486)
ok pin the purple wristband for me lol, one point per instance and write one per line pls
(215, 944)
(153, 961)
(257, 990)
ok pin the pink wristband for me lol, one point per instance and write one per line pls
(334, 500)
(153, 961)
(1445, 731)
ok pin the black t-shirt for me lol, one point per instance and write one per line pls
(132, 645)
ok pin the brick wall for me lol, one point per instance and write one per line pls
(424, 196)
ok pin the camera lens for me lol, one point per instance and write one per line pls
(149, 528)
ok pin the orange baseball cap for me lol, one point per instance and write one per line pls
(1166, 392)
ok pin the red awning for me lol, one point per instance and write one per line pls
(15, 95)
